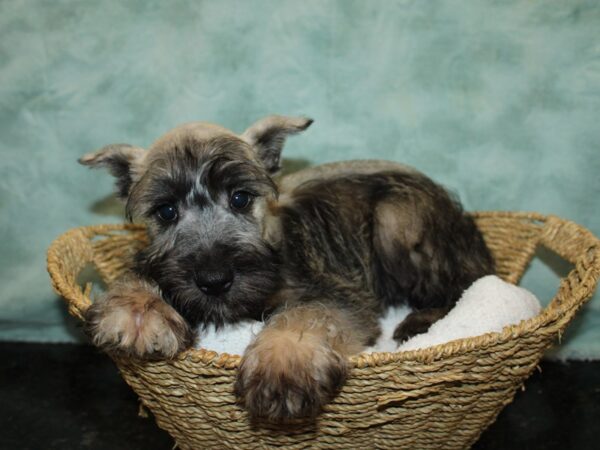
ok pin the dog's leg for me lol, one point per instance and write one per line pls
(418, 322)
(298, 362)
(133, 319)
(427, 252)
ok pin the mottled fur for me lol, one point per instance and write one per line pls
(133, 319)
(299, 361)
(319, 255)
(209, 237)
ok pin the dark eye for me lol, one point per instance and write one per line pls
(240, 200)
(167, 213)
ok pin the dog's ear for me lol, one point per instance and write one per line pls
(268, 136)
(121, 160)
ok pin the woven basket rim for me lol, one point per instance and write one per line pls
(554, 311)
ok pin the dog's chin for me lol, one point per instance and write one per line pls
(242, 301)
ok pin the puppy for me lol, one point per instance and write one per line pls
(319, 254)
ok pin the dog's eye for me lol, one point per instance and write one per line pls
(167, 213)
(240, 200)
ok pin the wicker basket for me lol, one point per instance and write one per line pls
(441, 397)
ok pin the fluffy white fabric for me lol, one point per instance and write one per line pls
(232, 338)
(388, 323)
(488, 305)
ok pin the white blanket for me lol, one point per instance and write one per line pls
(488, 305)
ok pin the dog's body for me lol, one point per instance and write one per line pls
(319, 255)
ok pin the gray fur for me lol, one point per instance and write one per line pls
(350, 241)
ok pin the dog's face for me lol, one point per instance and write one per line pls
(203, 193)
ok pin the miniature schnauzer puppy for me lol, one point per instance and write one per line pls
(318, 254)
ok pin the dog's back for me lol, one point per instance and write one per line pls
(380, 234)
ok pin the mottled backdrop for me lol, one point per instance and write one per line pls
(498, 100)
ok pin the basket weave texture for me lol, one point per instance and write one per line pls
(440, 397)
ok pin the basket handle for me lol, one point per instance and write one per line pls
(66, 258)
(580, 247)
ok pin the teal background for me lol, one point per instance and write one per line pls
(499, 101)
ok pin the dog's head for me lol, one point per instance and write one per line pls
(203, 193)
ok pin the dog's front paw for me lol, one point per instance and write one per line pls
(134, 320)
(284, 375)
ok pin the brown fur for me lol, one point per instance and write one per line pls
(134, 320)
(298, 362)
(322, 254)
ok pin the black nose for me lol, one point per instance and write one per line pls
(214, 282)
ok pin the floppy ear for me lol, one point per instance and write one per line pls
(268, 136)
(121, 161)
